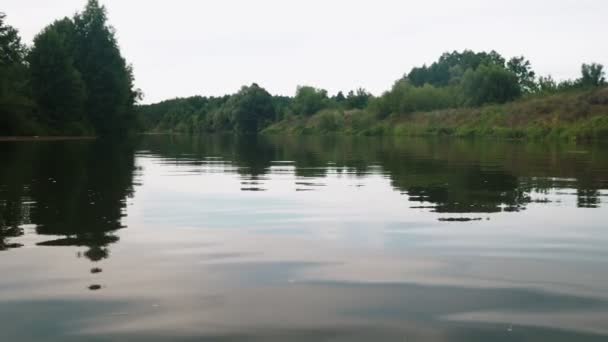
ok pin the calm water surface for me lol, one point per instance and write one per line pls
(303, 239)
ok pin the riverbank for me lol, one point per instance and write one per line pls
(46, 138)
(577, 115)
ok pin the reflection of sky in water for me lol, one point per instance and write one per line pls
(365, 210)
(356, 257)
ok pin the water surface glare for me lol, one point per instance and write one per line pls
(303, 239)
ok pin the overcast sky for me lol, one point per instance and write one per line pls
(204, 47)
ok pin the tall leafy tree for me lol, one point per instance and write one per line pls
(250, 108)
(339, 98)
(522, 68)
(309, 100)
(490, 84)
(57, 85)
(547, 85)
(12, 51)
(451, 66)
(593, 75)
(15, 106)
(358, 99)
(108, 78)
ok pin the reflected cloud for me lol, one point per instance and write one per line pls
(443, 177)
(373, 251)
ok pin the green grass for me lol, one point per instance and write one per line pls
(576, 115)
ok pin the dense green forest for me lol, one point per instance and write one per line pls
(463, 93)
(73, 80)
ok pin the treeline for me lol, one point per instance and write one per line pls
(472, 79)
(464, 79)
(449, 178)
(248, 111)
(73, 80)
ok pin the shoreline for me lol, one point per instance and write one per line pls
(580, 116)
(45, 138)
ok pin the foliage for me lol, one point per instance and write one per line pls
(75, 77)
(339, 98)
(405, 98)
(330, 121)
(16, 108)
(245, 112)
(74, 80)
(490, 84)
(457, 78)
(57, 85)
(579, 114)
(592, 75)
(250, 108)
(12, 51)
(547, 85)
(309, 100)
(451, 67)
(358, 99)
(522, 68)
(282, 107)
(108, 78)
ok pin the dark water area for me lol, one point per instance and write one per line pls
(303, 239)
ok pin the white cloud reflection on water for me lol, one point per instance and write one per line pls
(200, 257)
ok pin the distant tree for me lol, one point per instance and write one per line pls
(358, 99)
(12, 51)
(250, 108)
(405, 98)
(522, 68)
(309, 100)
(382, 106)
(546, 84)
(419, 76)
(282, 106)
(490, 84)
(468, 59)
(567, 85)
(339, 98)
(57, 85)
(493, 58)
(108, 78)
(15, 106)
(456, 73)
(593, 75)
(451, 67)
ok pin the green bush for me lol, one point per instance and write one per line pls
(330, 121)
(309, 100)
(490, 84)
(361, 120)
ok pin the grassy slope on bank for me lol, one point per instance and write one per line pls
(571, 115)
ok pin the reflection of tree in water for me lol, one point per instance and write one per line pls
(77, 191)
(14, 206)
(458, 176)
(84, 196)
(588, 198)
(459, 189)
(252, 156)
(9, 227)
(13, 213)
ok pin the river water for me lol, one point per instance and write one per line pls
(303, 239)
